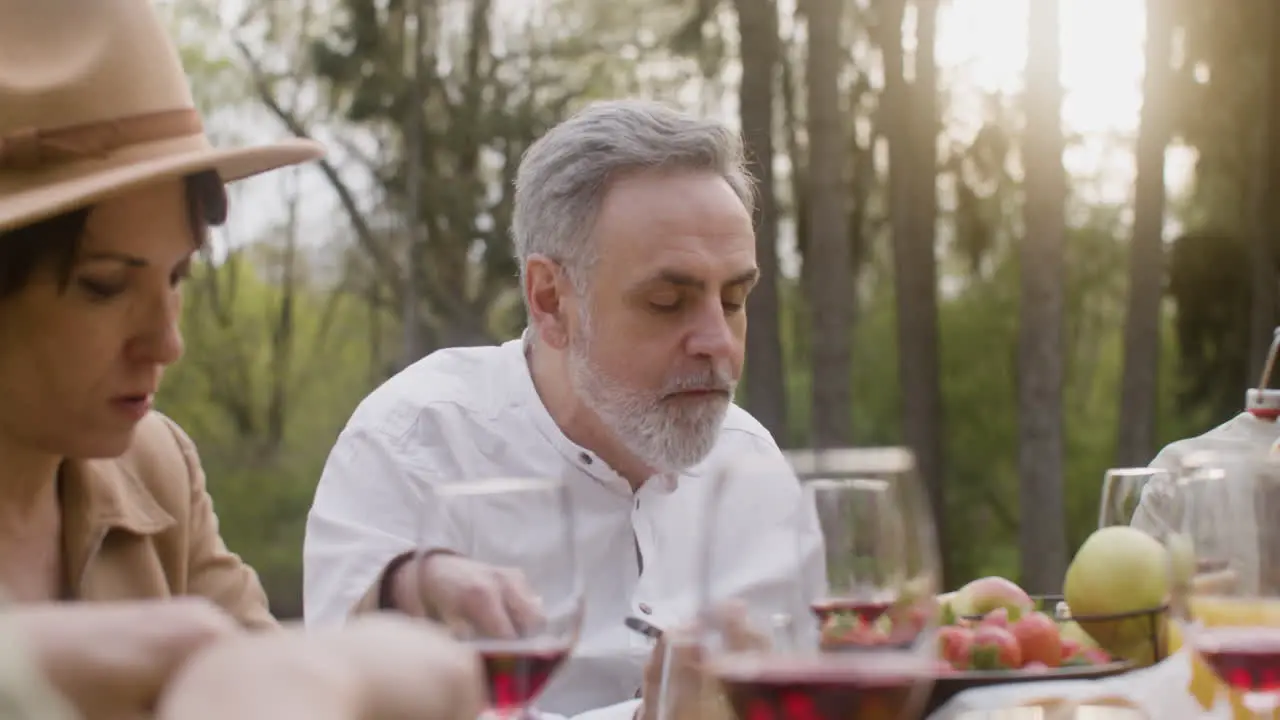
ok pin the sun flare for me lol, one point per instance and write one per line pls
(982, 47)
(982, 43)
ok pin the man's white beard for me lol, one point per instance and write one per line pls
(668, 436)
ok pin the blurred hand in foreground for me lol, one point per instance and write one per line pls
(113, 659)
(378, 667)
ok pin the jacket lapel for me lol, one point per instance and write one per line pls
(100, 500)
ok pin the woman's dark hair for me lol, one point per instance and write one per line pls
(56, 240)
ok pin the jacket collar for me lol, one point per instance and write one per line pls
(98, 497)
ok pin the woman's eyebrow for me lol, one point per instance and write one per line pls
(130, 260)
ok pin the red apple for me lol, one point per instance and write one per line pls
(995, 648)
(998, 617)
(1038, 639)
(986, 594)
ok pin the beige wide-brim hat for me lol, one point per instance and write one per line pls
(94, 102)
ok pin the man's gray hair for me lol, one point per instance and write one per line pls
(564, 175)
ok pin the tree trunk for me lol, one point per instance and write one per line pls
(828, 253)
(916, 266)
(911, 126)
(1137, 444)
(282, 371)
(415, 124)
(1042, 531)
(765, 380)
(1262, 316)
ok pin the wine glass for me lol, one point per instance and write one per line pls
(1134, 496)
(1223, 566)
(847, 627)
(536, 562)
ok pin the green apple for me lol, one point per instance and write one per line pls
(1120, 570)
(1182, 558)
(1071, 630)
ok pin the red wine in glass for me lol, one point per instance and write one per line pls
(516, 671)
(767, 687)
(868, 610)
(1246, 658)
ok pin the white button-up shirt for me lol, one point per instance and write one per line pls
(473, 413)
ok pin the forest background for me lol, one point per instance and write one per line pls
(1031, 240)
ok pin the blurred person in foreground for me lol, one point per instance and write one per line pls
(177, 660)
(108, 187)
(633, 233)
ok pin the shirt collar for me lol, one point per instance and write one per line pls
(584, 459)
(100, 496)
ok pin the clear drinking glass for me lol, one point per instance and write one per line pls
(848, 628)
(1129, 492)
(1223, 560)
(533, 563)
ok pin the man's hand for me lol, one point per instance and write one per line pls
(691, 692)
(377, 667)
(491, 601)
(113, 659)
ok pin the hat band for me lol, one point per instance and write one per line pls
(35, 148)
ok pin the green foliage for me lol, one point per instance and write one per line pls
(1222, 87)
(220, 393)
(272, 374)
(979, 330)
(1209, 280)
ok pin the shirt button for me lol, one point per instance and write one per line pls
(585, 458)
(644, 608)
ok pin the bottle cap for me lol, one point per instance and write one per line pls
(1263, 403)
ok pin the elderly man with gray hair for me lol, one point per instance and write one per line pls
(633, 232)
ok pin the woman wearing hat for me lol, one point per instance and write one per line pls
(108, 186)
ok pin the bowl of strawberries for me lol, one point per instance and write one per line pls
(1030, 640)
(1002, 647)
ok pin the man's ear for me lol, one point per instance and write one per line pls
(544, 294)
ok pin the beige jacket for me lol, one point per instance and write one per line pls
(143, 526)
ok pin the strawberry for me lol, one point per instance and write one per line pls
(838, 627)
(995, 648)
(850, 630)
(1087, 657)
(1096, 656)
(955, 645)
(1070, 648)
(1038, 639)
